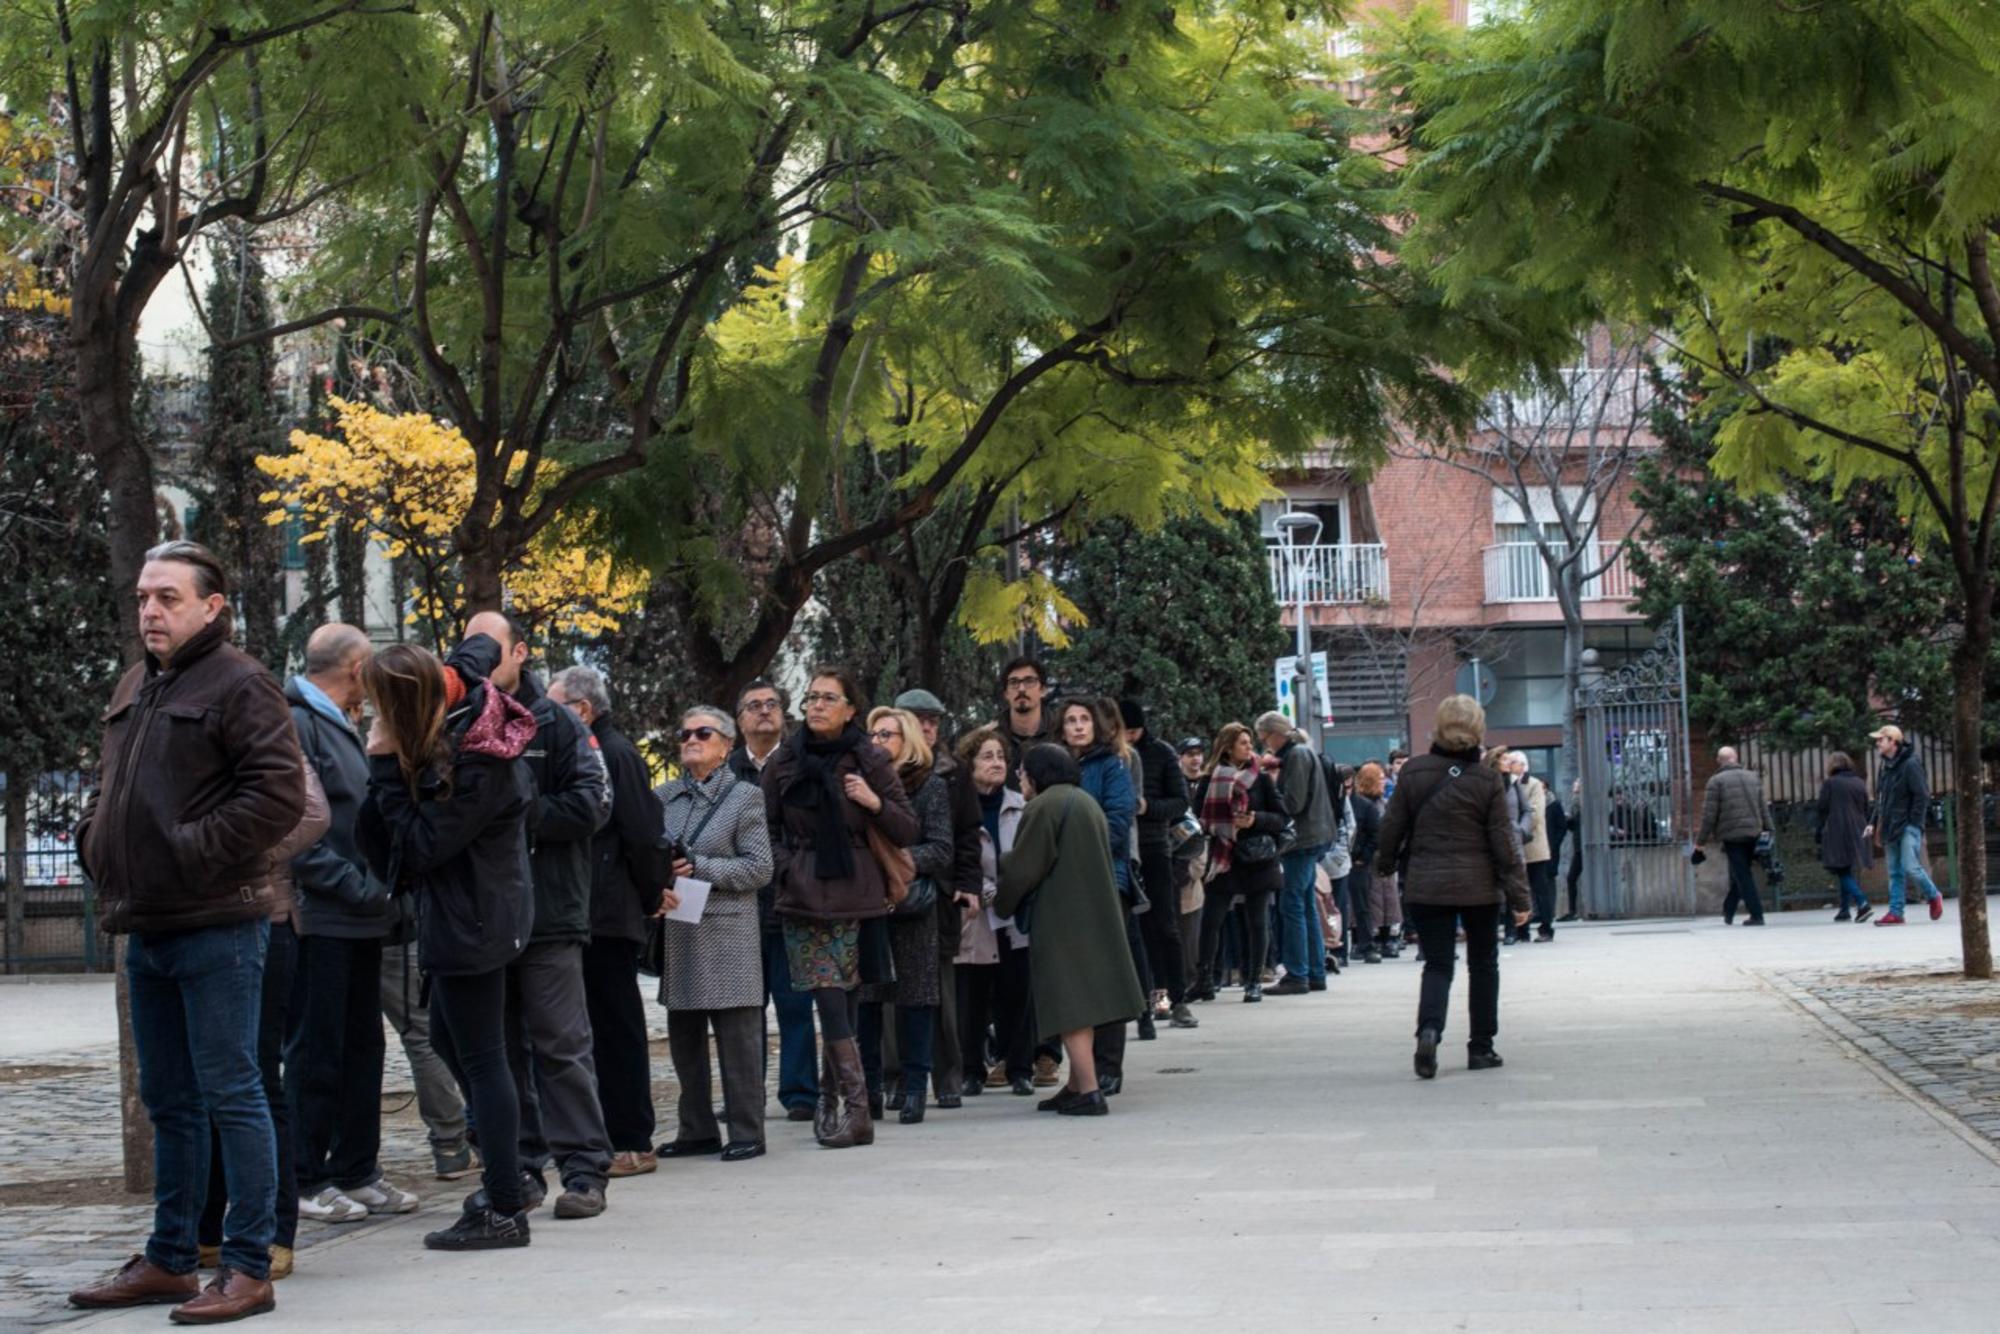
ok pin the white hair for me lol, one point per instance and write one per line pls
(715, 718)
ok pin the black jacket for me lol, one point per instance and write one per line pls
(746, 771)
(1166, 793)
(464, 853)
(335, 894)
(1843, 814)
(968, 873)
(1902, 794)
(628, 869)
(1555, 819)
(1367, 828)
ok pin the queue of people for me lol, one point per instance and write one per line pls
(487, 861)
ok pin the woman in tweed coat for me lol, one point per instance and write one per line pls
(714, 976)
(917, 993)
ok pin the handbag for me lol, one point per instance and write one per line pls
(918, 900)
(1255, 849)
(899, 868)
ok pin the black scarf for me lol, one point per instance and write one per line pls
(816, 788)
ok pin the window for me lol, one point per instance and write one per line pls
(1332, 516)
(295, 532)
(1529, 690)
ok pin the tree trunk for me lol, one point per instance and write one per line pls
(17, 869)
(480, 573)
(1968, 778)
(350, 576)
(137, 1126)
(1569, 767)
(104, 401)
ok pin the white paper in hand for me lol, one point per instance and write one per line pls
(694, 897)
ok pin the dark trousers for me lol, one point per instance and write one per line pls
(978, 983)
(196, 997)
(1107, 1049)
(280, 966)
(739, 1031)
(333, 1063)
(618, 1042)
(1437, 928)
(1542, 891)
(1575, 874)
(1014, 1011)
(469, 1028)
(1742, 880)
(1160, 926)
(1255, 912)
(916, 1037)
(945, 1069)
(798, 1066)
(1135, 945)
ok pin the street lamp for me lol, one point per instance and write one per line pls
(1295, 526)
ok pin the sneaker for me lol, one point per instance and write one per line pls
(1482, 1057)
(381, 1197)
(583, 1200)
(330, 1206)
(1316, 984)
(996, 1078)
(1843, 916)
(481, 1229)
(1373, 955)
(455, 1164)
(1045, 1072)
(631, 1163)
(1889, 919)
(1937, 907)
(1863, 913)
(1567, 917)
(1291, 986)
(1182, 1017)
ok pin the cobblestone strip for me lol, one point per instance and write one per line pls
(1932, 1035)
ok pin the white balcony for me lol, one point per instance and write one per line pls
(1584, 396)
(1329, 576)
(1516, 572)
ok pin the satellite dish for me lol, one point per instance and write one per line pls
(1478, 680)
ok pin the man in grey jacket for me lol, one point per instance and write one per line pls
(1733, 810)
(1302, 785)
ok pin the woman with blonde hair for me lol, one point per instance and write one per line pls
(916, 990)
(1449, 826)
(1375, 894)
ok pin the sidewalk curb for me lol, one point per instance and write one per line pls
(1870, 1052)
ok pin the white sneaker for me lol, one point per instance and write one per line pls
(383, 1198)
(330, 1206)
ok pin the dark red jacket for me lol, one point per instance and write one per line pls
(202, 779)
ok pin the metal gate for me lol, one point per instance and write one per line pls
(1638, 809)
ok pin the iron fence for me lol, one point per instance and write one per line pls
(51, 915)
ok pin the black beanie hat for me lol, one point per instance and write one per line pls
(1132, 712)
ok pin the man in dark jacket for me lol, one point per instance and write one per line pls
(1902, 800)
(561, 1119)
(1733, 810)
(333, 1052)
(1301, 782)
(627, 873)
(1023, 721)
(1164, 801)
(201, 781)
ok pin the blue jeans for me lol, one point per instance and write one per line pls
(196, 1001)
(798, 1077)
(1850, 891)
(1906, 859)
(1302, 944)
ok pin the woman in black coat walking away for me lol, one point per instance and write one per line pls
(1449, 824)
(1843, 842)
(446, 817)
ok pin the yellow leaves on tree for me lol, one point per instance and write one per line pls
(406, 480)
(993, 610)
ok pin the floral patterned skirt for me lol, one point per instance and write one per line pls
(822, 954)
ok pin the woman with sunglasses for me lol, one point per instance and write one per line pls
(917, 989)
(714, 974)
(826, 787)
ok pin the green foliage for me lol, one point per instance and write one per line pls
(62, 649)
(1181, 619)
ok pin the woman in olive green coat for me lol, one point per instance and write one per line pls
(1079, 966)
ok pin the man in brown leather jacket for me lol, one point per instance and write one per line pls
(202, 781)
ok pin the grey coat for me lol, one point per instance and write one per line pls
(914, 941)
(1302, 783)
(718, 962)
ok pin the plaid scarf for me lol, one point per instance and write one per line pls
(1228, 796)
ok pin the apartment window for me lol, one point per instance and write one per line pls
(1332, 516)
(1529, 668)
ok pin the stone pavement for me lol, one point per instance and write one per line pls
(1674, 1145)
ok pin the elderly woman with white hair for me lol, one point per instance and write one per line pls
(1449, 829)
(714, 974)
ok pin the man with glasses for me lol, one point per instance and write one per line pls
(760, 728)
(1024, 685)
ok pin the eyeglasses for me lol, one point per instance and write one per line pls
(821, 697)
(885, 734)
(699, 733)
(1017, 682)
(761, 706)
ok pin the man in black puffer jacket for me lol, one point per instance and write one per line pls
(1165, 801)
(548, 1020)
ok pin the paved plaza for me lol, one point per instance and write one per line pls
(1699, 1128)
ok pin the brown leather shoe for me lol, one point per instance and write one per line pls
(826, 1114)
(228, 1296)
(632, 1163)
(139, 1283)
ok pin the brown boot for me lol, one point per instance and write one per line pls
(855, 1126)
(826, 1116)
(139, 1283)
(228, 1296)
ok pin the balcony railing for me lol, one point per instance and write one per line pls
(1329, 576)
(1586, 396)
(1516, 572)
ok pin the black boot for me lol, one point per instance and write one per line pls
(1481, 1056)
(1148, 1031)
(1427, 1053)
(913, 1104)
